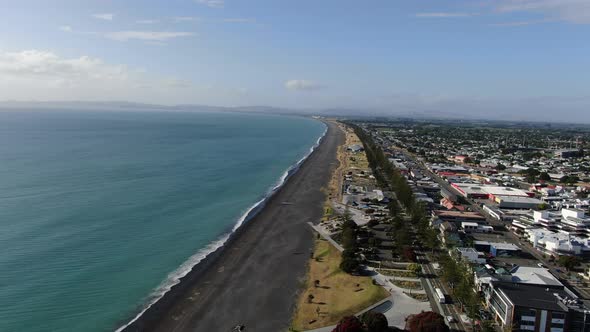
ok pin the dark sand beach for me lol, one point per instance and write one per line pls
(254, 279)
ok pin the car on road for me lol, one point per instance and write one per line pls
(451, 319)
(542, 265)
(558, 271)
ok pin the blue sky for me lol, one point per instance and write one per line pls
(512, 57)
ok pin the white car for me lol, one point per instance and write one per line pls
(451, 319)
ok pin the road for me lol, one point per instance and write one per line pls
(525, 246)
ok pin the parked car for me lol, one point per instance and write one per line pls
(451, 319)
(541, 265)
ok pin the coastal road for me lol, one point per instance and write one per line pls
(255, 280)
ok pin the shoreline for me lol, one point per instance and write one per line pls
(159, 309)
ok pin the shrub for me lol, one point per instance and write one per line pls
(349, 265)
(426, 322)
(375, 321)
(349, 324)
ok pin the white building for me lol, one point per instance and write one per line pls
(569, 221)
(472, 255)
(557, 243)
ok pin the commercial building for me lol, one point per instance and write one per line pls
(517, 202)
(536, 308)
(572, 222)
(458, 216)
(531, 299)
(475, 191)
(558, 243)
(567, 153)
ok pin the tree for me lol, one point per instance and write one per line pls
(349, 265)
(487, 326)
(415, 268)
(569, 262)
(500, 167)
(431, 239)
(569, 179)
(542, 206)
(349, 324)
(409, 254)
(426, 322)
(544, 176)
(375, 321)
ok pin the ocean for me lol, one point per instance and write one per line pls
(100, 212)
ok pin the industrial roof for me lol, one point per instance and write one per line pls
(531, 296)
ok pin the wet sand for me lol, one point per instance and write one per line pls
(255, 278)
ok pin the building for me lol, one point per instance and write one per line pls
(473, 227)
(471, 255)
(497, 249)
(525, 307)
(558, 243)
(355, 148)
(458, 216)
(572, 222)
(567, 153)
(470, 190)
(517, 202)
(474, 191)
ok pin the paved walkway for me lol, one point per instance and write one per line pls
(356, 215)
(402, 305)
(326, 236)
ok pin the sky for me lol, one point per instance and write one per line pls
(513, 59)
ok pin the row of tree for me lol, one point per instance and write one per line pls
(391, 178)
(461, 283)
(377, 322)
(349, 262)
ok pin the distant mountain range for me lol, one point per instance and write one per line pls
(403, 113)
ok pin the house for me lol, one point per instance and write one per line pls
(501, 249)
(471, 255)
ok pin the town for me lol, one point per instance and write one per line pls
(485, 224)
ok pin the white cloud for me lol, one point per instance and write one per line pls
(104, 16)
(212, 3)
(147, 21)
(444, 15)
(177, 83)
(66, 28)
(44, 65)
(301, 85)
(239, 20)
(185, 18)
(44, 75)
(573, 11)
(520, 23)
(147, 35)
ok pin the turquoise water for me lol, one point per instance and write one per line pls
(99, 209)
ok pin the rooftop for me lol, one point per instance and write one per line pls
(531, 296)
(534, 276)
(458, 214)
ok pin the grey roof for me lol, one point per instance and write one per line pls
(530, 296)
